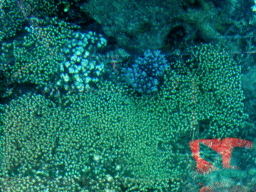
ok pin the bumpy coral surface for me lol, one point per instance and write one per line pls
(110, 140)
(144, 75)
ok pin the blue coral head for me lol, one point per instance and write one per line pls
(145, 73)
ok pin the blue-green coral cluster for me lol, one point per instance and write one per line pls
(15, 13)
(110, 140)
(81, 65)
(99, 141)
(145, 74)
(36, 59)
(54, 55)
(210, 82)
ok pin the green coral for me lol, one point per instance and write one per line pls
(100, 138)
(11, 19)
(36, 59)
(2, 110)
(14, 13)
(210, 88)
(109, 140)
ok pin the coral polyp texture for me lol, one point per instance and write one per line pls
(111, 95)
(144, 75)
(210, 81)
(15, 13)
(54, 55)
(111, 140)
(99, 141)
(81, 65)
(36, 58)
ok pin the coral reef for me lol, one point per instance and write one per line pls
(81, 66)
(211, 80)
(69, 122)
(145, 74)
(110, 140)
(54, 57)
(99, 141)
(14, 14)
